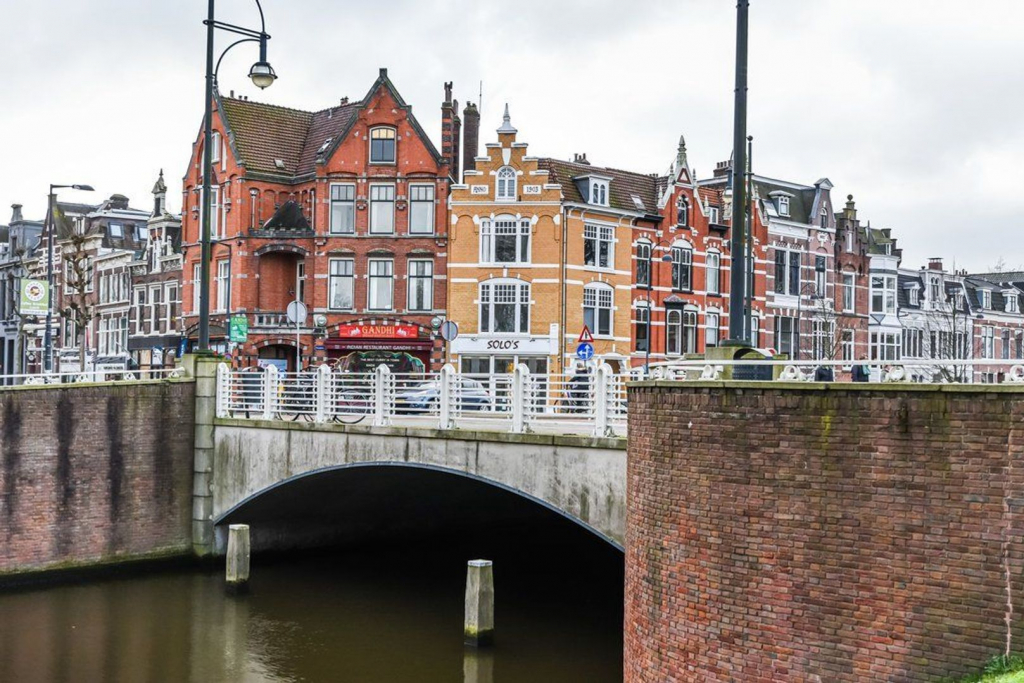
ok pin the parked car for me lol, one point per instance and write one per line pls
(424, 397)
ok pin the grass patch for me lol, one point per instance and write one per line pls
(1000, 670)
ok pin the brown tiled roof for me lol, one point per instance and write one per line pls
(264, 133)
(623, 186)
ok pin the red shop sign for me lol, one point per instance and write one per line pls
(379, 331)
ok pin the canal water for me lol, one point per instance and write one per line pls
(371, 614)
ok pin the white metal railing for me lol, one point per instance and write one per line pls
(583, 403)
(120, 375)
(589, 403)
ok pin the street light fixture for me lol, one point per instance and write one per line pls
(262, 76)
(50, 229)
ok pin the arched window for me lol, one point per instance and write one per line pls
(682, 267)
(643, 328)
(505, 306)
(674, 332)
(682, 212)
(597, 309)
(506, 184)
(382, 145)
(643, 264)
(712, 323)
(690, 330)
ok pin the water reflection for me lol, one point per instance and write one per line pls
(382, 614)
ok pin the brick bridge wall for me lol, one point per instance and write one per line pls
(95, 473)
(822, 533)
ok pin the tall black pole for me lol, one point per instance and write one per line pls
(738, 277)
(749, 258)
(204, 238)
(48, 333)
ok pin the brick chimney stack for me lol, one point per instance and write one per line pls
(935, 263)
(471, 137)
(451, 128)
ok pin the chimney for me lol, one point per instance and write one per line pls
(470, 137)
(450, 131)
(935, 263)
(722, 169)
(16, 215)
(581, 159)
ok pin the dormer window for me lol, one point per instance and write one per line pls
(599, 192)
(506, 184)
(915, 296)
(713, 215)
(986, 298)
(935, 289)
(1012, 304)
(824, 218)
(783, 206)
(682, 212)
(382, 146)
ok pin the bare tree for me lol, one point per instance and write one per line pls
(78, 269)
(948, 337)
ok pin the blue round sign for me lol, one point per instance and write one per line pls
(585, 351)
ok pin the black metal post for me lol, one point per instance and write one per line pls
(749, 256)
(48, 333)
(738, 278)
(204, 238)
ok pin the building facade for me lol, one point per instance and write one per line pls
(18, 244)
(344, 210)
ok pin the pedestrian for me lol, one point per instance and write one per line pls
(861, 372)
(823, 373)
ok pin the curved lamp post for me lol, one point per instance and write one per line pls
(51, 227)
(263, 76)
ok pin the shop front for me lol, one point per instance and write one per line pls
(499, 355)
(360, 346)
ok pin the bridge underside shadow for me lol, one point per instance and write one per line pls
(382, 502)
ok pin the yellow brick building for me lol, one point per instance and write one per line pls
(504, 262)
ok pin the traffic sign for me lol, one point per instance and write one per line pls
(585, 351)
(585, 336)
(296, 313)
(449, 330)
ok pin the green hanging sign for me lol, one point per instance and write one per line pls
(238, 329)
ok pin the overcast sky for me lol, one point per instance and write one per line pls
(915, 107)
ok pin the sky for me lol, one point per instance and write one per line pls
(915, 107)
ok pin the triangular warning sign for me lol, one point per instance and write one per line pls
(585, 336)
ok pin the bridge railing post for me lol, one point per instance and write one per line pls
(323, 389)
(521, 399)
(447, 383)
(603, 388)
(223, 389)
(270, 385)
(383, 396)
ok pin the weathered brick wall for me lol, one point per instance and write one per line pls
(845, 534)
(94, 473)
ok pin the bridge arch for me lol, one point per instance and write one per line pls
(295, 464)
(253, 507)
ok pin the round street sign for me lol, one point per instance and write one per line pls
(296, 313)
(585, 351)
(449, 330)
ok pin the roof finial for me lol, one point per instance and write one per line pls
(506, 122)
(681, 152)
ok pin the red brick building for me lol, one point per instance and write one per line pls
(343, 209)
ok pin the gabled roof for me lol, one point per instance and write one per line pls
(801, 198)
(623, 185)
(263, 134)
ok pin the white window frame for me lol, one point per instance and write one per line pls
(424, 281)
(504, 226)
(375, 228)
(849, 292)
(599, 234)
(599, 299)
(335, 279)
(215, 151)
(713, 272)
(783, 203)
(342, 203)
(197, 284)
(421, 203)
(644, 254)
(223, 280)
(986, 299)
(599, 192)
(682, 262)
(886, 293)
(713, 215)
(487, 300)
(394, 144)
(712, 329)
(505, 184)
(374, 282)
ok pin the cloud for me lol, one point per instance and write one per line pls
(913, 107)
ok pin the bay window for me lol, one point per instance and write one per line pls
(883, 294)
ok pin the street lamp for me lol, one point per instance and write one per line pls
(50, 229)
(666, 258)
(263, 76)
